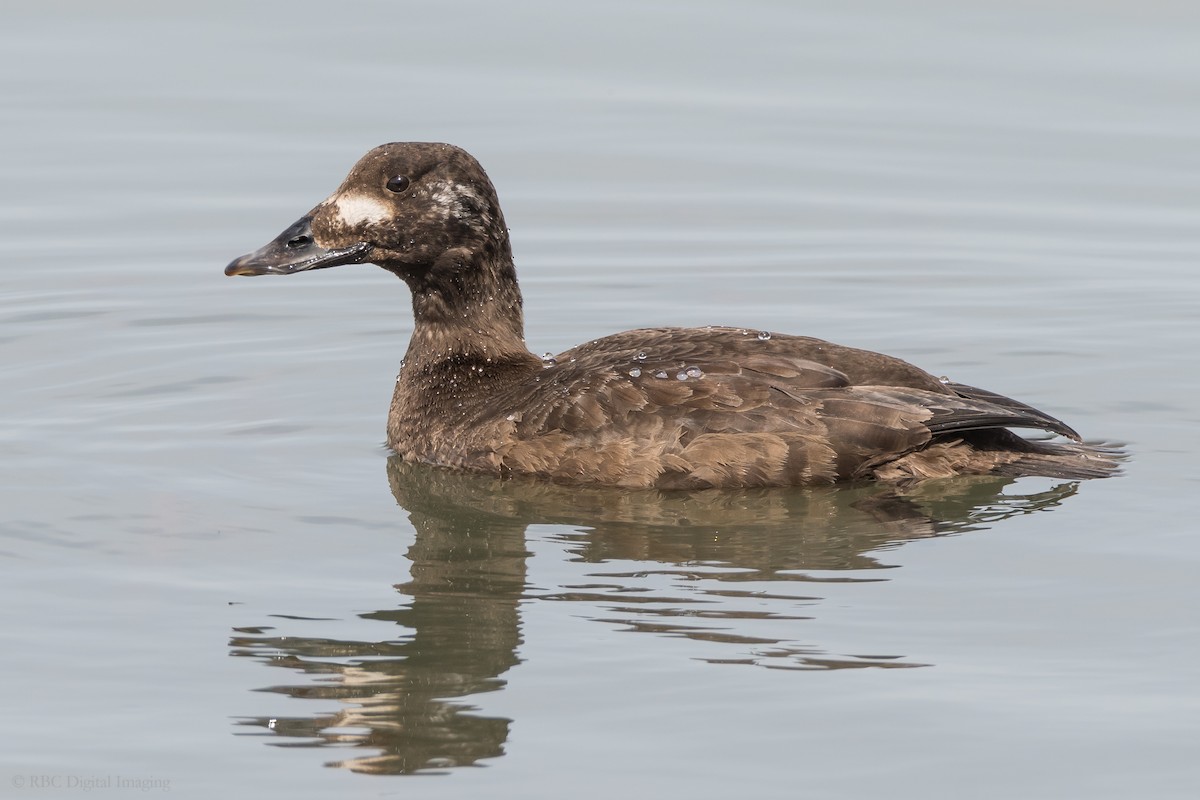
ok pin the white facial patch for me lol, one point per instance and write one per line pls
(359, 209)
(449, 197)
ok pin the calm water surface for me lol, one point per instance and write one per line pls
(214, 578)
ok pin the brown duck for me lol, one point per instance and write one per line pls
(671, 408)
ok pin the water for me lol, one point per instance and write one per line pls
(213, 577)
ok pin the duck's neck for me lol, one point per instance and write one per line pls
(468, 307)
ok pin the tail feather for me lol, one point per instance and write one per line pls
(1002, 452)
(1074, 460)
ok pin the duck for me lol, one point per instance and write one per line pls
(654, 408)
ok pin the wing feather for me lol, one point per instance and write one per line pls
(721, 407)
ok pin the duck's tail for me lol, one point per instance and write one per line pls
(999, 451)
(1070, 460)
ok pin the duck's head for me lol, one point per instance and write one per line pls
(414, 208)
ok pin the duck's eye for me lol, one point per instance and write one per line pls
(398, 183)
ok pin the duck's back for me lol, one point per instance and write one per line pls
(722, 407)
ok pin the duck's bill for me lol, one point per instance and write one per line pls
(295, 250)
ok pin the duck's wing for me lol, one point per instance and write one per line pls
(692, 412)
(1026, 412)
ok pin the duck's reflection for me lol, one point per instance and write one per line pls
(705, 565)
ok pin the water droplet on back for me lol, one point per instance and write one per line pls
(764, 335)
(548, 360)
(636, 372)
(661, 374)
(694, 372)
